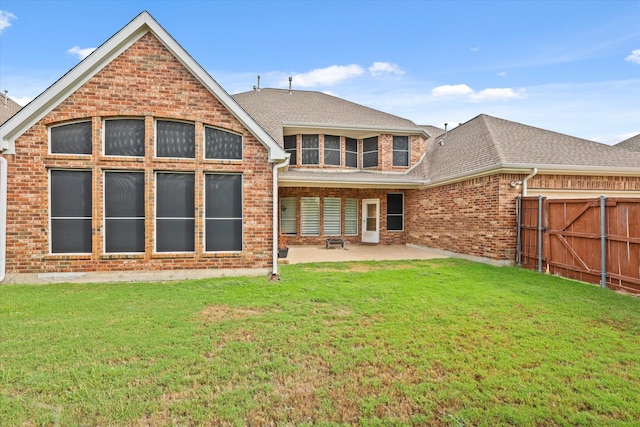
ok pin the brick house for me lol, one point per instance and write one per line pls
(137, 165)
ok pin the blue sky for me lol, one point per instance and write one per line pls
(568, 66)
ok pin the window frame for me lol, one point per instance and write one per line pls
(293, 151)
(156, 217)
(332, 216)
(293, 201)
(204, 143)
(83, 218)
(207, 218)
(395, 215)
(305, 219)
(304, 149)
(348, 152)
(105, 217)
(155, 139)
(347, 220)
(333, 150)
(104, 136)
(407, 150)
(59, 125)
(377, 151)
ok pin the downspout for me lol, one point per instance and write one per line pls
(3, 217)
(276, 215)
(527, 178)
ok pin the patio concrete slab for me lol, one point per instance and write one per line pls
(306, 254)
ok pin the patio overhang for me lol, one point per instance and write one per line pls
(348, 180)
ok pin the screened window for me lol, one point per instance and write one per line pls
(332, 150)
(290, 147)
(331, 216)
(220, 144)
(124, 137)
(370, 152)
(288, 215)
(223, 212)
(175, 139)
(395, 212)
(310, 216)
(175, 212)
(400, 150)
(70, 208)
(351, 217)
(310, 149)
(74, 138)
(124, 211)
(351, 153)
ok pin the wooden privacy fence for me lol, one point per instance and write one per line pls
(593, 240)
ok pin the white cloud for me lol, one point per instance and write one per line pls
(502, 74)
(327, 76)
(81, 52)
(474, 49)
(5, 20)
(451, 90)
(385, 68)
(22, 101)
(634, 57)
(497, 94)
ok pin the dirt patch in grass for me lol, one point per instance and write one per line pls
(220, 313)
(356, 267)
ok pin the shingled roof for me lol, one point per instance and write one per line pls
(278, 109)
(487, 143)
(8, 107)
(631, 144)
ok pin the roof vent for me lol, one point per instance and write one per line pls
(258, 86)
(441, 142)
(290, 80)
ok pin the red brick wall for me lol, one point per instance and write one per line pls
(386, 237)
(144, 81)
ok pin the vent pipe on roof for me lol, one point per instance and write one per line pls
(441, 142)
(290, 80)
(258, 87)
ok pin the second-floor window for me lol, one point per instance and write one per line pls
(73, 138)
(370, 152)
(310, 147)
(290, 147)
(222, 145)
(175, 139)
(351, 152)
(400, 150)
(332, 150)
(124, 137)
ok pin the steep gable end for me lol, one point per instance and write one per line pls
(143, 29)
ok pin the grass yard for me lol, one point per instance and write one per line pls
(440, 342)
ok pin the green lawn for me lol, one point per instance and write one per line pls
(441, 342)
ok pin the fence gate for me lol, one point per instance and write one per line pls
(592, 240)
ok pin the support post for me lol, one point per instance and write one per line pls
(540, 228)
(603, 242)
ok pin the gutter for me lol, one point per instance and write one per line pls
(526, 179)
(276, 216)
(3, 217)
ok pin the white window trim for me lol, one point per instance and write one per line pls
(155, 138)
(302, 216)
(204, 143)
(338, 216)
(64, 124)
(303, 149)
(356, 218)
(204, 213)
(104, 129)
(339, 150)
(353, 152)
(408, 151)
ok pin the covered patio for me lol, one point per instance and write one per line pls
(312, 253)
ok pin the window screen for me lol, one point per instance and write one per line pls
(175, 212)
(124, 137)
(332, 150)
(290, 147)
(351, 217)
(70, 208)
(220, 144)
(370, 152)
(331, 214)
(288, 215)
(310, 146)
(351, 153)
(400, 151)
(223, 212)
(124, 211)
(175, 139)
(395, 212)
(74, 138)
(310, 216)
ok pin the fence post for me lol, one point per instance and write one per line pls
(540, 233)
(518, 237)
(603, 242)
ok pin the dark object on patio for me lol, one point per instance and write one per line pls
(341, 242)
